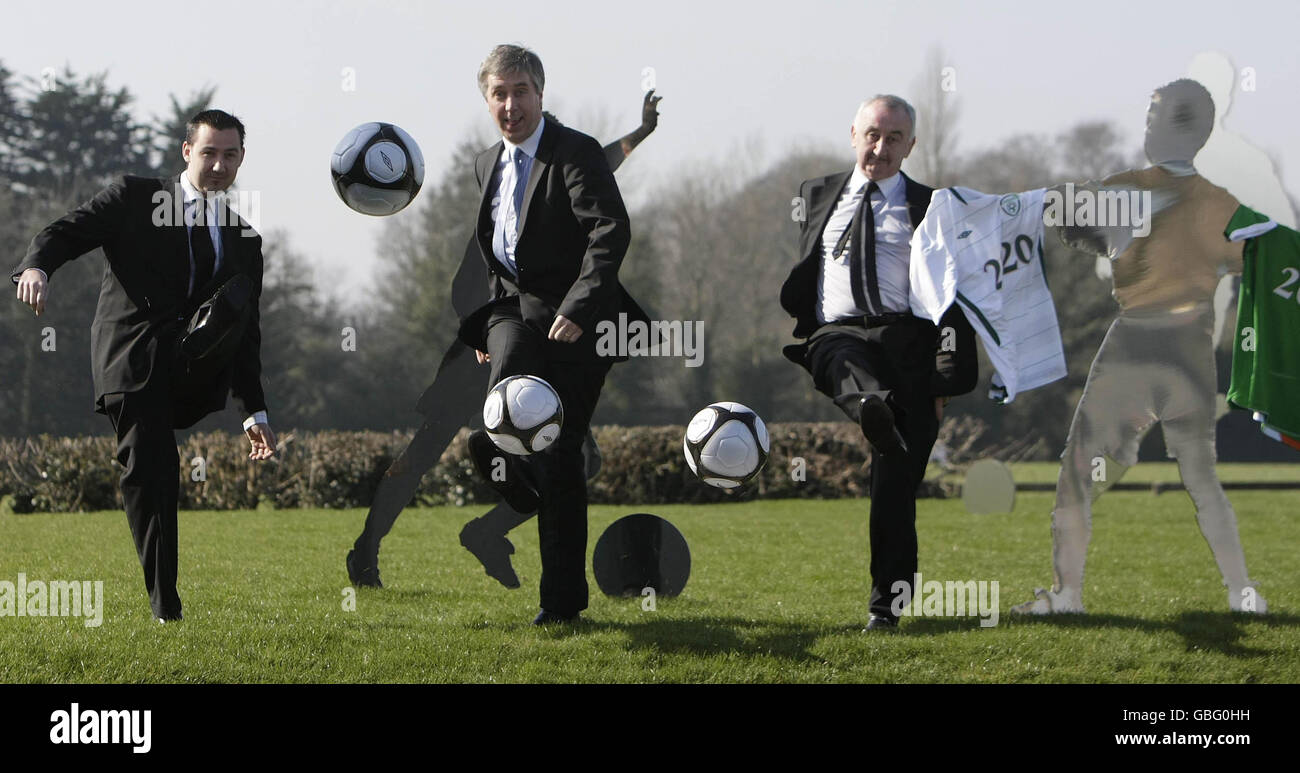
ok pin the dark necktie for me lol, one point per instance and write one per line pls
(861, 238)
(205, 256)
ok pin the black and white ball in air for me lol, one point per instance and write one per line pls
(726, 445)
(523, 415)
(377, 169)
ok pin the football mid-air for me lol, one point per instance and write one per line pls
(523, 415)
(726, 445)
(377, 169)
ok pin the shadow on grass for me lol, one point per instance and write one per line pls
(1210, 631)
(699, 635)
(722, 635)
(1220, 632)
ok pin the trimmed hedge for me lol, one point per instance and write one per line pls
(641, 465)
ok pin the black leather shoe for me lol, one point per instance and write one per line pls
(877, 422)
(517, 488)
(170, 617)
(882, 623)
(492, 551)
(547, 618)
(362, 573)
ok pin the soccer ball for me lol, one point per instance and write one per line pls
(726, 445)
(522, 415)
(377, 169)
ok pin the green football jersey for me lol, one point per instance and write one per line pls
(1266, 354)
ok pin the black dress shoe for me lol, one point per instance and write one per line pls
(363, 573)
(547, 618)
(881, 623)
(170, 617)
(518, 489)
(492, 551)
(877, 422)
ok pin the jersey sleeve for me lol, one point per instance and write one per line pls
(1246, 223)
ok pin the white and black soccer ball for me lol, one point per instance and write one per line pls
(377, 169)
(726, 445)
(523, 415)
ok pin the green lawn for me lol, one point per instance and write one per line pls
(777, 594)
(1167, 472)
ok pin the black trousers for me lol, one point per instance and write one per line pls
(517, 348)
(895, 362)
(150, 482)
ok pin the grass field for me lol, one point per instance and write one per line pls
(777, 594)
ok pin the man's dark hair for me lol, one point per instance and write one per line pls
(219, 120)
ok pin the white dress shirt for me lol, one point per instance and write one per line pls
(893, 250)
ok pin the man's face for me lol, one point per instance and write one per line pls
(515, 104)
(213, 159)
(1170, 134)
(882, 138)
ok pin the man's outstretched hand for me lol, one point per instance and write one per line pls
(650, 111)
(33, 289)
(262, 440)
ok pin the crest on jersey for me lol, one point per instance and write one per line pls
(1010, 204)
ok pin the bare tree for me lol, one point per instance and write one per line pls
(938, 110)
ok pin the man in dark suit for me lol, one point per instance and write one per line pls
(553, 230)
(455, 394)
(171, 245)
(889, 371)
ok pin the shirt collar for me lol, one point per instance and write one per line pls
(888, 186)
(192, 193)
(529, 145)
(1178, 168)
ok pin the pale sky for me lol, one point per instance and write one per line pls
(770, 74)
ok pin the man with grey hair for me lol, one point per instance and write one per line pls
(889, 371)
(553, 230)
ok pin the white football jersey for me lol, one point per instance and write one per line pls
(985, 251)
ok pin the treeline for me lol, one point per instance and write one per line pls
(708, 247)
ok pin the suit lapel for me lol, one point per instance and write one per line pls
(918, 200)
(176, 250)
(233, 259)
(821, 206)
(487, 164)
(545, 146)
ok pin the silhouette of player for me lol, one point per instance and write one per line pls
(1156, 363)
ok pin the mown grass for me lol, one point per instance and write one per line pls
(777, 593)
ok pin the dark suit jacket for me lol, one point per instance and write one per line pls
(573, 234)
(143, 293)
(955, 372)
